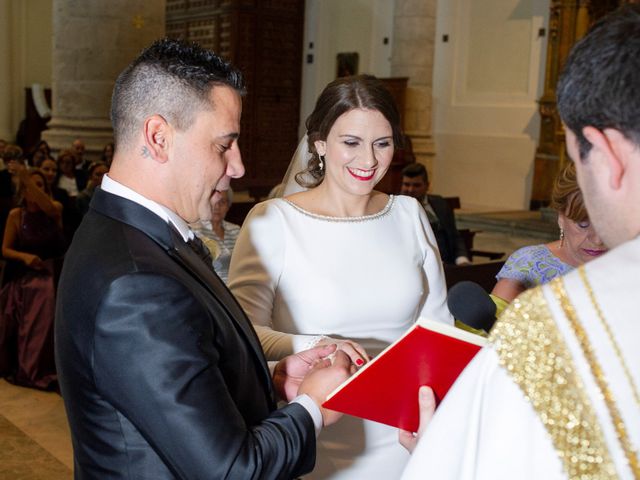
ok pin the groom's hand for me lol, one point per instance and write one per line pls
(290, 371)
(323, 378)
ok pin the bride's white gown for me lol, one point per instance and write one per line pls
(366, 278)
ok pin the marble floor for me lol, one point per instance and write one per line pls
(508, 231)
(34, 436)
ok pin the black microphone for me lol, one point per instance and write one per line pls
(469, 303)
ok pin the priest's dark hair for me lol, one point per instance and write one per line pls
(600, 83)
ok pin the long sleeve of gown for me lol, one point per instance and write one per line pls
(256, 265)
(435, 304)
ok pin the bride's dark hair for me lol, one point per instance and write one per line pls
(340, 96)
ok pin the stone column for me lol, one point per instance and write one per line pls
(5, 71)
(412, 56)
(93, 41)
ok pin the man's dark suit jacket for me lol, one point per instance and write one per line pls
(161, 373)
(450, 242)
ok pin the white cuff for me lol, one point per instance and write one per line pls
(313, 409)
(462, 260)
(272, 367)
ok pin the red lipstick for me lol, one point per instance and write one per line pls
(360, 177)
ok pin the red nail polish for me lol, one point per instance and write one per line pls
(359, 362)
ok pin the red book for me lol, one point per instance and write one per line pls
(385, 390)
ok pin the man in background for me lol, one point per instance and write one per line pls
(415, 183)
(78, 148)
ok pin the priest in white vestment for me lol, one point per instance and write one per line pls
(556, 394)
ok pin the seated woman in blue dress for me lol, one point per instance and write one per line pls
(537, 264)
(33, 239)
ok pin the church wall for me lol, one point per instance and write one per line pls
(25, 46)
(336, 26)
(487, 78)
(413, 52)
(38, 42)
(5, 73)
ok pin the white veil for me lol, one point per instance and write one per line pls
(299, 162)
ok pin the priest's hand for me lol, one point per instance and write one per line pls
(426, 406)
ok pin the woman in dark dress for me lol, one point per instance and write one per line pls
(33, 239)
(107, 154)
(70, 215)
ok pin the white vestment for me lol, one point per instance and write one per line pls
(365, 278)
(550, 399)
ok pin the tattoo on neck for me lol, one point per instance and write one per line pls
(145, 152)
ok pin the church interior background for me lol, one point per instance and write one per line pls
(474, 79)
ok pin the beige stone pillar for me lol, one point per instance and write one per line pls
(93, 41)
(412, 56)
(5, 71)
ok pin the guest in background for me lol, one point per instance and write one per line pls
(223, 234)
(96, 172)
(12, 155)
(38, 153)
(33, 238)
(36, 157)
(12, 159)
(69, 178)
(415, 183)
(78, 148)
(579, 243)
(49, 167)
(342, 259)
(43, 146)
(107, 154)
(70, 215)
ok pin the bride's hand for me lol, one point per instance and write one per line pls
(354, 350)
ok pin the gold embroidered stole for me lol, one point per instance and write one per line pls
(535, 355)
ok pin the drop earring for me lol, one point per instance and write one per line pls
(321, 164)
(561, 236)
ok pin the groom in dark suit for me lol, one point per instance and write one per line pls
(161, 372)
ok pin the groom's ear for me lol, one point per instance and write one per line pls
(321, 147)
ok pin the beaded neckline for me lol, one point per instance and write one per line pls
(362, 218)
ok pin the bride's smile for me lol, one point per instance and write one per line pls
(362, 175)
(357, 151)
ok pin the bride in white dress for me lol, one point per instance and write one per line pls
(342, 260)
